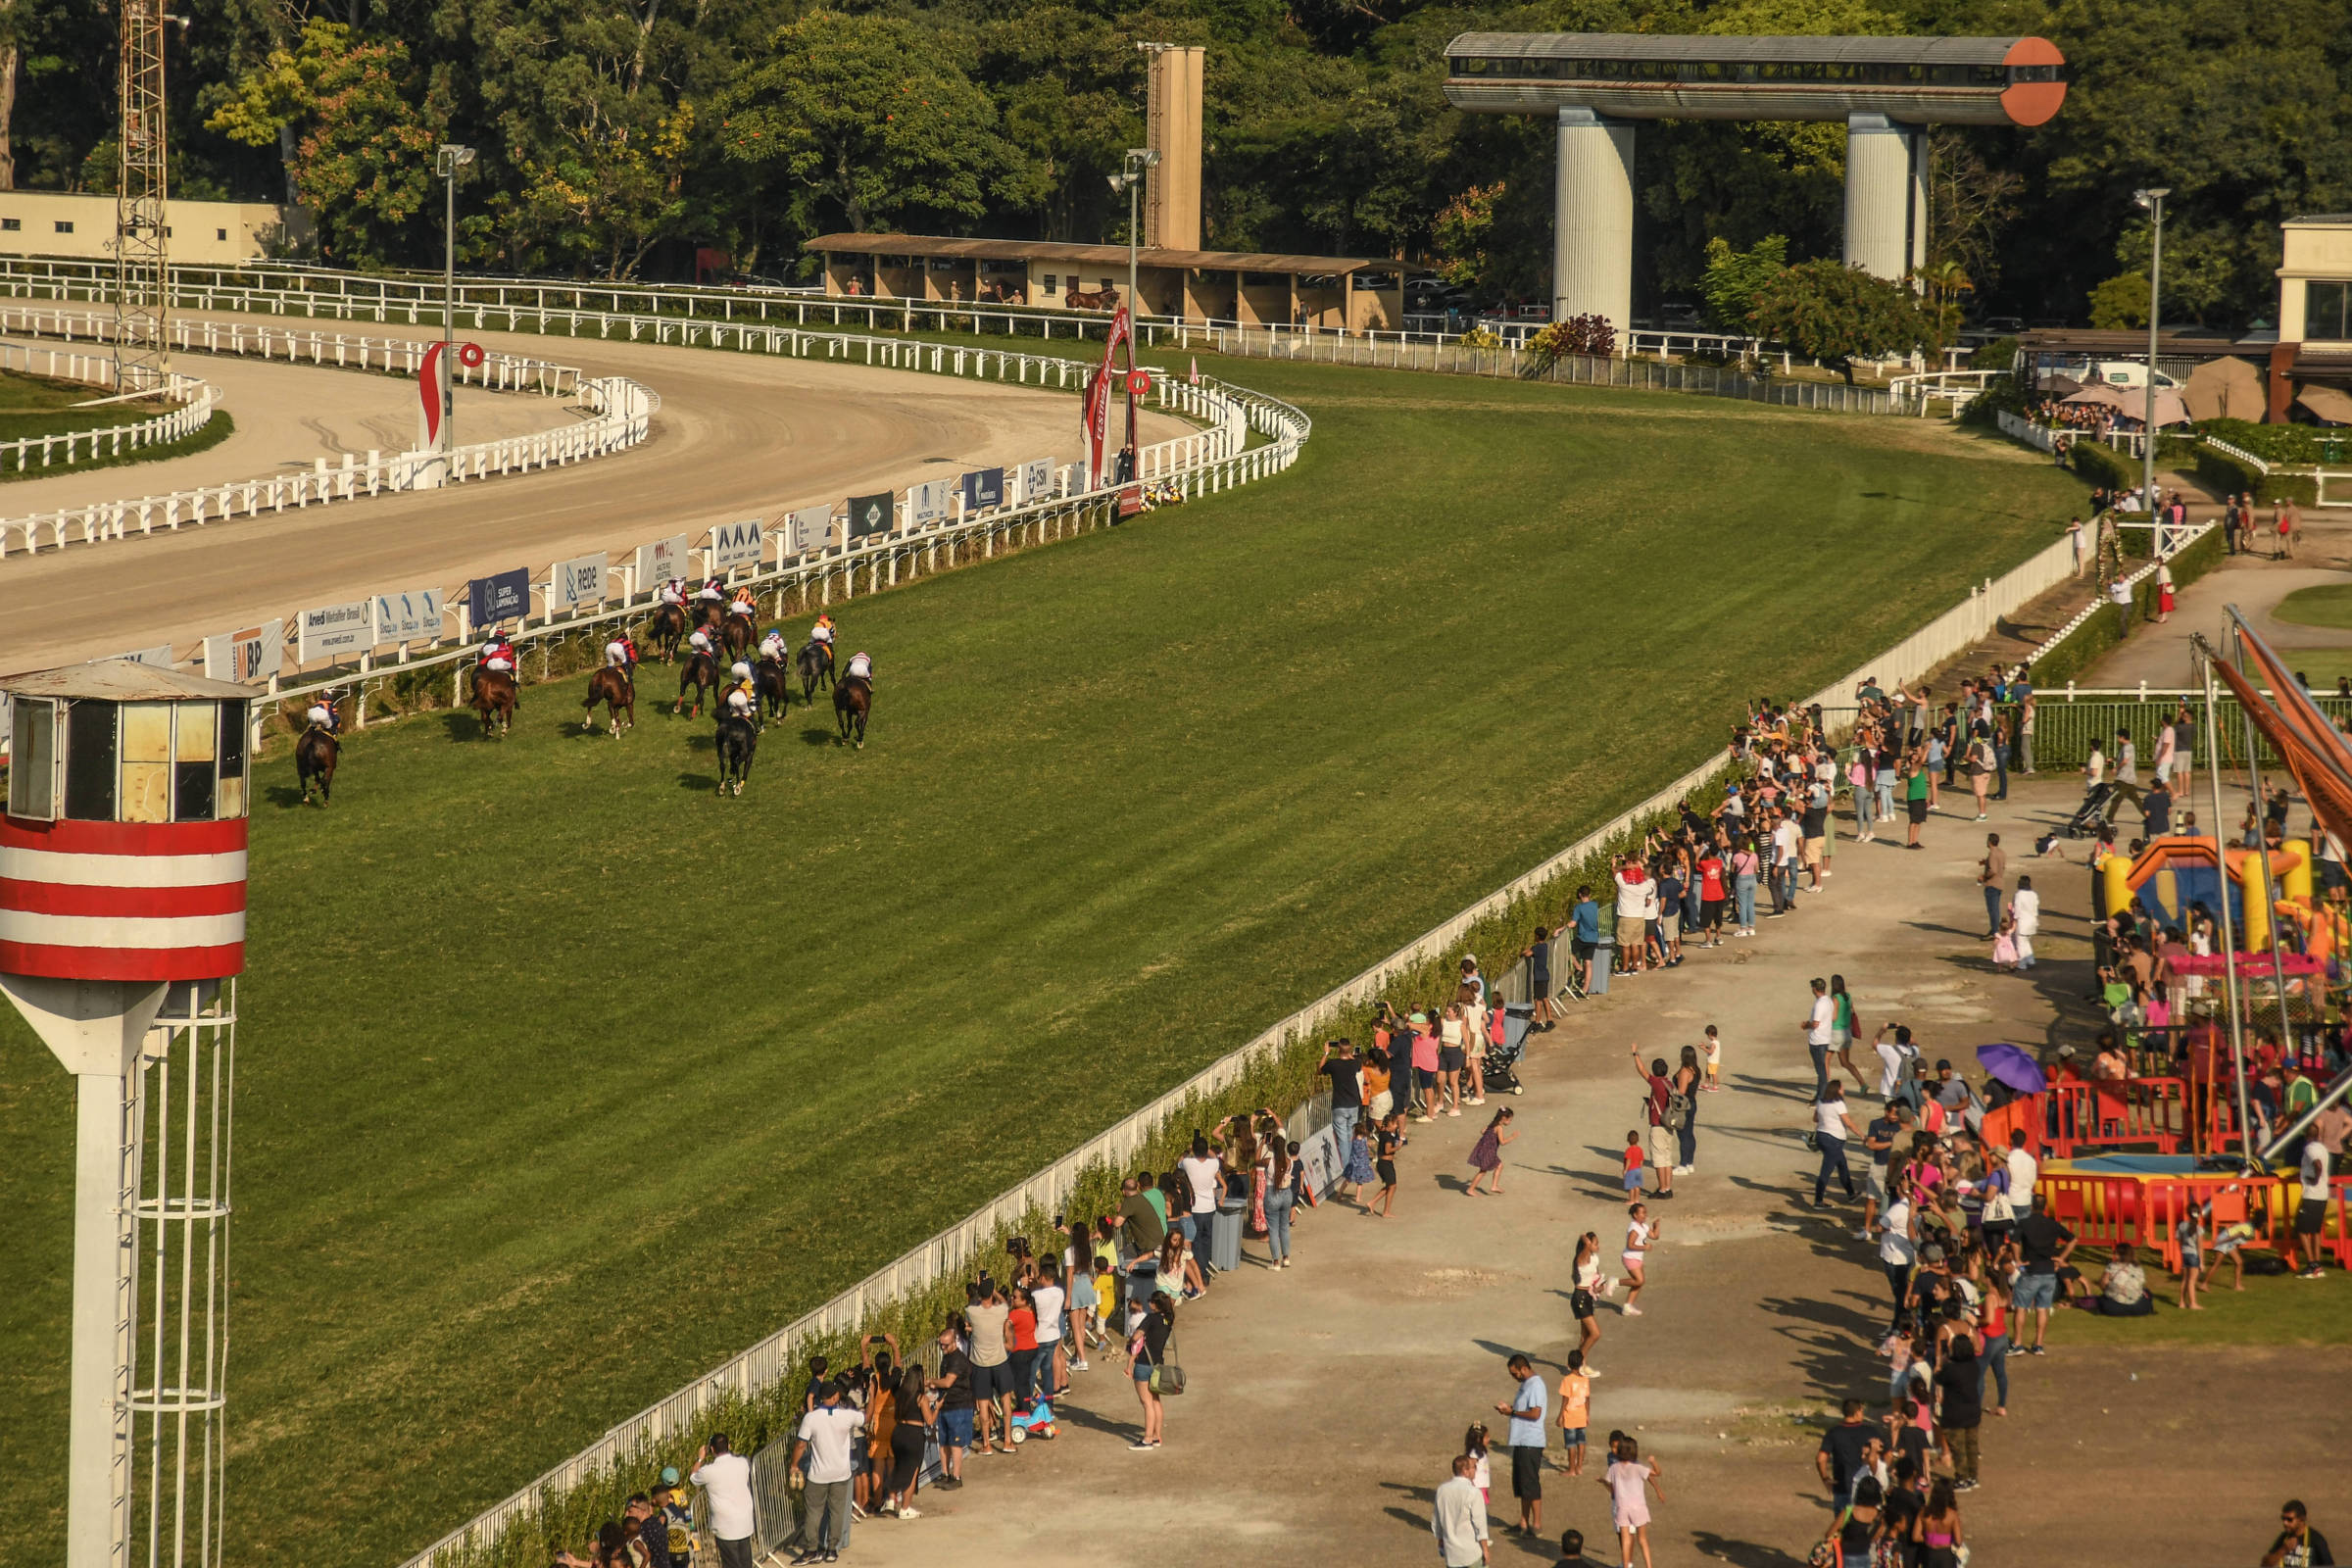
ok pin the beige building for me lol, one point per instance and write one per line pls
(1358, 293)
(48, 222)
(2315, 315)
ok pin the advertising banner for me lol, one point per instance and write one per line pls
(574, 583)
(871, 514)
(504, 597)
(928, 505)
(661, 560)
(407, 617)
(808, 530)
(983, 487)
(736, 544)
(253, 655)
(159, 656)
(333, 629)
(1037, 480)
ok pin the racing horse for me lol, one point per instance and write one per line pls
(1105, 299)
(707, 613)
(735, 636)
(816, 668)
(699, 670)
(314, 757)
(774, 682)
(666, 630)
(852, 701)
(737, 741)
(612, 687)
(493, 698)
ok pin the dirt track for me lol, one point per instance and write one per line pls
(738, 436)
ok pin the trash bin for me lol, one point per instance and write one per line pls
(1605, 959)
(1225, 1235)
(1517, 1018)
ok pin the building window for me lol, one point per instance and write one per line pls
(64, 225)
(219, 234)
(11, 224)
(2327, 310)
(167, 231)
(1050, 282)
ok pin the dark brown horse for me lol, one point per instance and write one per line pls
(700, 672)
(612, 687)
(1105, 299)
(494, 698)
(816, 668)
(314, 757)
(774, 682)
(735, 636)
(852, 701)
(707, 613)
(737, 741)
(666, 630)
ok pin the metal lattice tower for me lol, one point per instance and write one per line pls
(142, 352)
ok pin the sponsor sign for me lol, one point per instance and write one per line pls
(736, 544)
(575, 582)
(504, 597)
(927, 505)
(1131, 501)
(331, 630)
(407, 617)
(1037, 480)
(808, 530)
(983, 487)
(661, 560)
(871, 514)
(249, 656)
(159, 656)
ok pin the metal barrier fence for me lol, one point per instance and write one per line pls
(197, 401)
(948, 1254)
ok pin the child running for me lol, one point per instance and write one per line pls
(1629, 1508)
(1641, 1231)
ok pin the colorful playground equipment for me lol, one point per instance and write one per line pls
(2176, 872)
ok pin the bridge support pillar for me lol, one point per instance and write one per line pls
(1593, 220)
(1885, 195)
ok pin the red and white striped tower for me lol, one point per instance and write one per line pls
(121, 927)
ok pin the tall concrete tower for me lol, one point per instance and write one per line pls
(1172, 129)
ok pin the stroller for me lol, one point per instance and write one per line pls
(1500, 1059)
(2099, 807)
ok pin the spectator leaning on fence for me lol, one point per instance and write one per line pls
(725, 1478)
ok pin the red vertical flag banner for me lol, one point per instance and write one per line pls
(1098, 399)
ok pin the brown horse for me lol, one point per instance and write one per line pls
(1103, 299)
(816, 668)
(666, 630)
(706, 612)
(735, 636)
(493, 698)
(774, 682)
(612, 687)
(852, 701)
(700, 672)
(314, 757)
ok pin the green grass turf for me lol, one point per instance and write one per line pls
(2320, 667)
(2327, 605)
(2274, 1309)
(35, 406)
(563, 1079)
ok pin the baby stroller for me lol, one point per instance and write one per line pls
(2097, 808)
(1499, 1060)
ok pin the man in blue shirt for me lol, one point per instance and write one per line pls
(1526, 1437)
(1585, 918)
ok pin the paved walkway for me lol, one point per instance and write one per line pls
(2160, 655)
(1327, 1401)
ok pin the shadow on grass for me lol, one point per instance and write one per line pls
(698, 781)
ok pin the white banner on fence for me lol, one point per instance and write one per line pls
(929, 503)
(159, 656)
(575, 582)
(808, 530)
(736, 544)
(1037, 482)
(661, 560)
(253, 655)
(407, 616)
(333, 629)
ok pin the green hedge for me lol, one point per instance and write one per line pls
(2233, 477)
(2096, 636)
(2102, 465)
(2282, 443)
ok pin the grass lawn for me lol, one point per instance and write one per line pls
(563, 1079)
(2272, 1309)
(35, 405)
(2327, 605)
(2322, 667)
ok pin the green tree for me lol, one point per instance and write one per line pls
(1734, 279)
(1839, 313)
(872, 122)
(2121, 302)
(1458, 233)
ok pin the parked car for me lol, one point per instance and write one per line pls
(2001, 326)
(2128, 374)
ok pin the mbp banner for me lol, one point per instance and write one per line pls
(736, 544)
(871, 514)
(333, 629)
(407, 617)
(253, 655)
(927, 503)
(504, 597)
(575, 582)
(806, 529)
(983, 487)
(1037, 480)
(660, 560)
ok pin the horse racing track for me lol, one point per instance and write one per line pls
(563, 1078)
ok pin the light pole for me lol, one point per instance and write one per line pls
(446, 164)
(2153, 200)
(1131, 180)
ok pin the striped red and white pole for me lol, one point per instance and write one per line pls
(123, 901)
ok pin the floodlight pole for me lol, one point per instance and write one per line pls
(446, 164)
(1139, 159)
(2153, 200)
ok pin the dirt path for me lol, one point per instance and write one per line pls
(1327, 1400)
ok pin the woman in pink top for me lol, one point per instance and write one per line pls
(1425, 1063)
(1629, 1508)
(1745, 866)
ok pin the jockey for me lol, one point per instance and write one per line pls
(741, 698)
(673, 592)
(821, 634)
(322, 715)
(621, 651)
(498, 655)
(862, 668)
(711, 592)
(700, 640)
(772, 646)
(743, 603)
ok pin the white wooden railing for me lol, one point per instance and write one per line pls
(195, 402)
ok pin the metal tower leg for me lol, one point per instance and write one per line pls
(142, 351)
